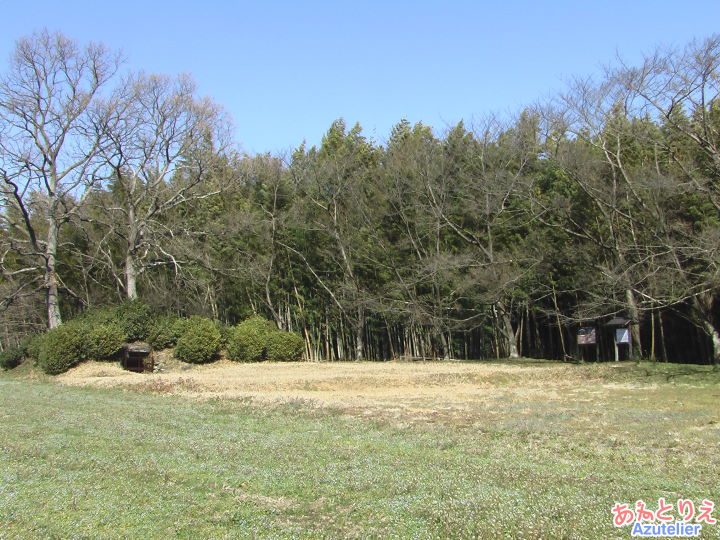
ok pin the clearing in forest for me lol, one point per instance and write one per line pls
(590, 396)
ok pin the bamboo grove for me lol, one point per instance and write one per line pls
(496, 238)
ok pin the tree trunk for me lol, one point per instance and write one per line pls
(715, 336)
(131, 270)
(509, 333)
(635, 325)
(663, 348)
(51, 280)
(213, 302)
(360, 335)
(704, 305)
(130, 276)
(559, 326)
(652, 337)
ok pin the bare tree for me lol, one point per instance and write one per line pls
(163, 143)
(680, 90)
(637, 143)
(49, 110)
(599, 144)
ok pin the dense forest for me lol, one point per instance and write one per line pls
(499, 238)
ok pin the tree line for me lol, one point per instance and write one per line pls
(496, 239)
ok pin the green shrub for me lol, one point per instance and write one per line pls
(11, 357)
(284, 346)
(200, 342)
(97, 315)
(135, 318)
(63, 348)
(181, 325)
(225, 333)
(23, 345)
(31, 346)
(248, 341)
(103, 341)
(163, 332)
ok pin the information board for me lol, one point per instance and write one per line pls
(587, 336)
(622, 335)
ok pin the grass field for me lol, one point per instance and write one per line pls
(397, 450)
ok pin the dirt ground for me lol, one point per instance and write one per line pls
(469, 394)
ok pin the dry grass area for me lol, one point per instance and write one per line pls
(362, 384)
(517, 394)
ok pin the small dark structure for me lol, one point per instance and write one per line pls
(622, 335)
(138, 357)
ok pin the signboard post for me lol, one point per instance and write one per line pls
(586, 337)
(622, 335)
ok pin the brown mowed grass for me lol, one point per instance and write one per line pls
(338, 383)
(525, 396)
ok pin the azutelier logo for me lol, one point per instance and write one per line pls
(661, 522)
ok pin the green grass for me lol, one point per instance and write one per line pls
(91, 463)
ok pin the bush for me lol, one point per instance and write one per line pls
(103, 341)
(32, 345)
(181, 325)
(284, 346)
(225, 333)
(163, 332)
(11, 357)
(135, 318)
(248, 341)
(97, 315)
(63, 348)
(200, 342)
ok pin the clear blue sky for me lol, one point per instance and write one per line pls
(286, 70)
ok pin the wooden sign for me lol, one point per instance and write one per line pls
(622, 335)
(587, 336)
